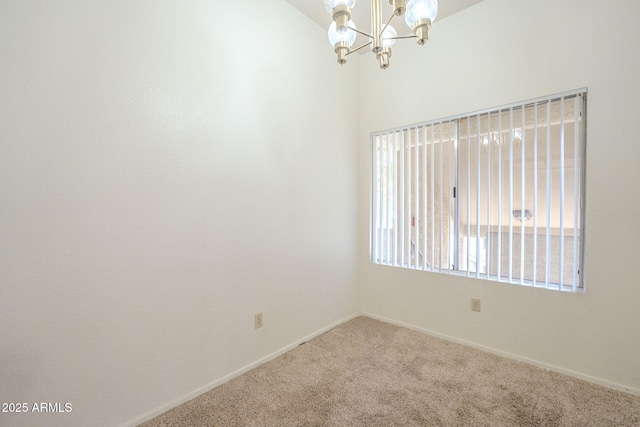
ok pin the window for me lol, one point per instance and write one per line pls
(496, 194)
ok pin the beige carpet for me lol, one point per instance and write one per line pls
(369, 373)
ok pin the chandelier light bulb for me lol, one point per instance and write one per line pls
(421, 9)
(342, 42)
(340, 11)
(349, 36)
(387, 40)
(330, 4)
(419, 16)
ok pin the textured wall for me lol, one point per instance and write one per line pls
(495, 53)
(166, 171)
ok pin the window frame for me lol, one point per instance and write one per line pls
(375, 239)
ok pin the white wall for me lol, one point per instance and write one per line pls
(498, 52)
(167, 169)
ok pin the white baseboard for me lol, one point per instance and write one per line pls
(554, 368)
(195, 393)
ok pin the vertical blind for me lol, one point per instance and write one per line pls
(496, 194)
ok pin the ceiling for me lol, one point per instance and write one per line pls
(361, 14)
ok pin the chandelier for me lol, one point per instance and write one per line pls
(418, 14)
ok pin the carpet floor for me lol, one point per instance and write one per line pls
(369, 373)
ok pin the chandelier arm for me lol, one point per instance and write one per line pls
(410, 36)
(358, 48)
(387, 24)
(361, 32)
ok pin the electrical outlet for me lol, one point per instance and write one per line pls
(258, 320)
(475, 304)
